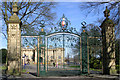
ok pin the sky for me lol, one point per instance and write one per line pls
(74, 14)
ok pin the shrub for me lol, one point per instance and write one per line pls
(118, 68)
(4, 55)
(95, 63)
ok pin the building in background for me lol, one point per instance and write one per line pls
(52, 55)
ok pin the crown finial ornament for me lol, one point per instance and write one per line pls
(63, 22)
(15, 7)
(107, 12)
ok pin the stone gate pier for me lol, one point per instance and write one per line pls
(108, 41)
(14, 43)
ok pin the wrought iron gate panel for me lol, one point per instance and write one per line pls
(29, 43)
(66, 41)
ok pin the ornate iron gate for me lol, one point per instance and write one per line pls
(63, 47)
(61, 55)
(62, 51)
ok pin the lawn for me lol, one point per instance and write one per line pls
(95, 69)
(3, 67)
(75, 66)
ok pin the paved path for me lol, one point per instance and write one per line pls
(68, 78)
(53, 71)
(32, 68)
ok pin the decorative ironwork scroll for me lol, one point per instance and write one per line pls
(63, 26)
(29, 42)
(56, 41)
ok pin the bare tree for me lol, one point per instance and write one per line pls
(30, 13)
(97, 8)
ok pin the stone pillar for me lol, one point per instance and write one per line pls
(108, 41)
(14, 43)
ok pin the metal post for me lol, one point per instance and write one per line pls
(80, 55)
(44, 54)
(40, 50)
(63, 52)
(102, 58)
(84, 49)
(88, 55)
(38, 59)
(47, 54)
